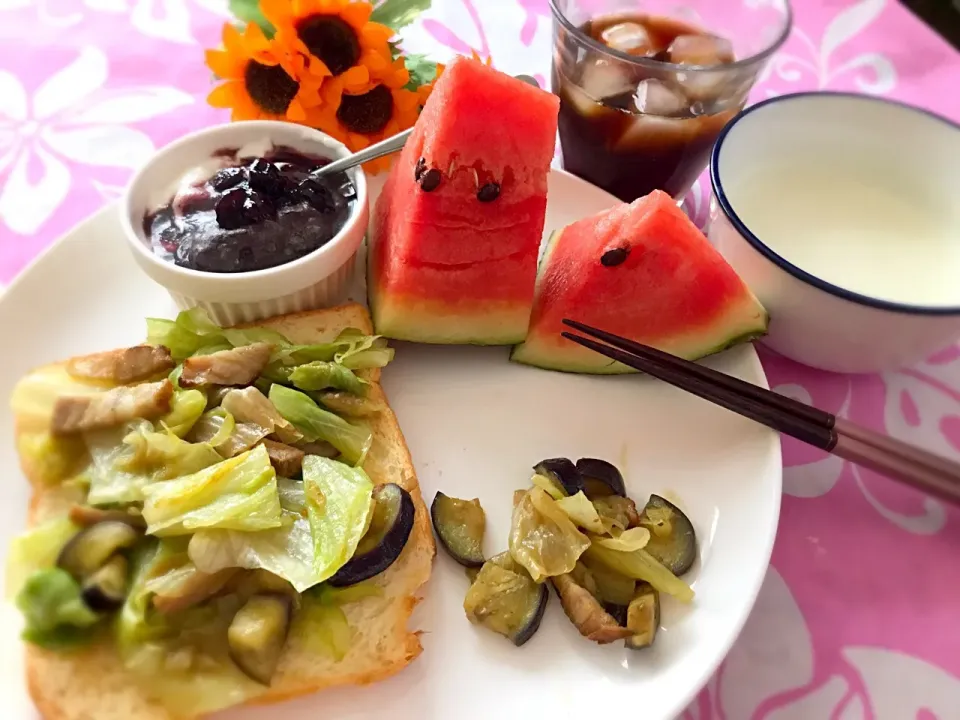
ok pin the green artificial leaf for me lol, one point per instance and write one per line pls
(422, 70)
(397, 14)
(249, 11)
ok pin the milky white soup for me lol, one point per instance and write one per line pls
(832, 195)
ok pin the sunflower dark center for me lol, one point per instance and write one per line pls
(270, 87)
(368, 113)
(330, 39)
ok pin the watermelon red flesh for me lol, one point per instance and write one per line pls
(674, 291)
(445, 267)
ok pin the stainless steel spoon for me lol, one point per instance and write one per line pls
(384, 147)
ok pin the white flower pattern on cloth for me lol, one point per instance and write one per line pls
(71, 118)
(771, 674)
(817, 64)
(163, 19)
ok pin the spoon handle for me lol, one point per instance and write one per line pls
(385, 147)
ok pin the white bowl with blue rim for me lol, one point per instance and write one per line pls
(842, 213)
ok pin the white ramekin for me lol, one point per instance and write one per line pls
(312, 281)
(813, 321)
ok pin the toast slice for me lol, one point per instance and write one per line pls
(92, 684)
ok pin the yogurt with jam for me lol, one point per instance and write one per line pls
(249, 208)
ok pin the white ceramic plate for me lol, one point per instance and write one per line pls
(475, 424)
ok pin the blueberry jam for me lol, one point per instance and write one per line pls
(252, 213)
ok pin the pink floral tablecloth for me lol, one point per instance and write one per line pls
(858, 616)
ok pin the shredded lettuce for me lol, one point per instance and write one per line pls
(51, 459)
(550, 487)
(320, 375)
(193, 332)
(641, 565)
(249, 405)
(542, 538)
(35, 549)
(110, 484)
(213, 427)
(362, 351)
(163, 455)
(55, 613)
(627, 541)
(353, 441)
(579, 509)
(338, 507)
(150, 648)
(186, 407)
(287, 551)
(322, 621)
(235, 494)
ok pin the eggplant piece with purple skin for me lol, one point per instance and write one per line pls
(257, 634)
(600, 478)
(563, 472)
(643, 617)
(460, 526)
(106, 589)
(673, 542)
(88, 550)
(505, 599)
(381, 545)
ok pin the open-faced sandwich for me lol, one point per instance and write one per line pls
(219, 516)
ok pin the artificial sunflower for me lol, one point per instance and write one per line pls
(369, 117)
(337, 39)
(263, 81)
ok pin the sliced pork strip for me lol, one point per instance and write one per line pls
(238, 366)
(122, 366)
(72, 415)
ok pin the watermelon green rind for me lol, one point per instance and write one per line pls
(673, 291)
(563, 355)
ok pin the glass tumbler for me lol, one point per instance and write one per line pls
(646, 86)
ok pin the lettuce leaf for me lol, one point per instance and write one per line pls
(542, 538)
(110, 483)
(235, 494)
(338, 507)
(52, 459)
(193, 332)
(287, 551)
(150, 642)
(55, 614)
(186, 407)
(320, 375)
(36, 549)
(353, 441)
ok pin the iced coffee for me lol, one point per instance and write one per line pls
(643, 98)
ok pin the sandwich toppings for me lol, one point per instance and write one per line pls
(236, 366)
(220, 506)
(73, 415)
(122, 366)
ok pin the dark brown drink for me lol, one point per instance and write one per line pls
(633, 127)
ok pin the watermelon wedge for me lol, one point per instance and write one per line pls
(457, 229)
(643, 271)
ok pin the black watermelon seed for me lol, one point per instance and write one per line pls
(430, 180)
(420, 169)
(612, 258)
(489, 192)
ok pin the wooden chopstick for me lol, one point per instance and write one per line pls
(758, 394)
(919, 468)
